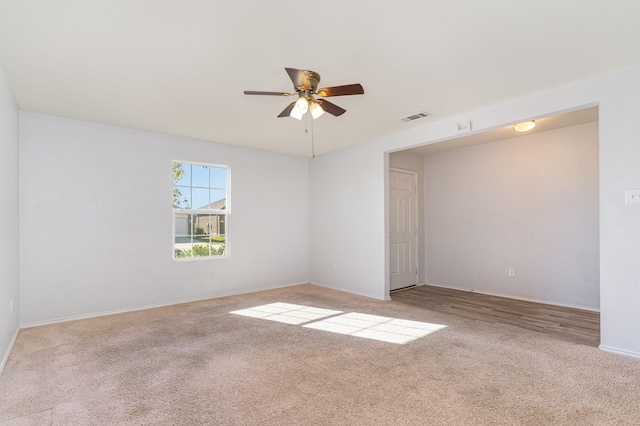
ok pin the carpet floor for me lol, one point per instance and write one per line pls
(307, 355)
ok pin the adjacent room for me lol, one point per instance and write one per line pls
(504, 213)
(275, 213)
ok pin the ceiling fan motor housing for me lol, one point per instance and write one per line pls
(313, 78)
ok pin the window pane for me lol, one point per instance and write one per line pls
(182, 224)
(202, 229)
(200, 198)
(217, 227)
(200, 250)
(181, 197)
(218, 199)
(218, 238)
(218, 250)
(182, 241)
(182, 174)
(218, 177)
(201, 235)
(181, 249)
(200, 176)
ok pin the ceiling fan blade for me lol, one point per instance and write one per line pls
(256, 92)
(349, 89)
(298, 78)
(332, 109)
(287, 110)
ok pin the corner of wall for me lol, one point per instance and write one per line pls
(5, 358)
(9, 220)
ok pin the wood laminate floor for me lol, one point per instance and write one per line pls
(570, 324)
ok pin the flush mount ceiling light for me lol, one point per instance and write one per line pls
(525, 126)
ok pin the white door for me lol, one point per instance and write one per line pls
(403, 228)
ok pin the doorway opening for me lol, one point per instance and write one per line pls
(513, 215)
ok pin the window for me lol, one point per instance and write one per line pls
(200, 209)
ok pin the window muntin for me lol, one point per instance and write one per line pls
(200, 210)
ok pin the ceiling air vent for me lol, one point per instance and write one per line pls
(415, 116)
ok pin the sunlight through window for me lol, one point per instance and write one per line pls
(384, 329)
(375, 327)
(287, 313)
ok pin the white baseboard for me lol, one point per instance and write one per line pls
(526, 299)
(619, 351)
(8, 352)
(359, 293)
(158, 305)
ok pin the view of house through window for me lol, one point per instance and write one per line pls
(200, 208)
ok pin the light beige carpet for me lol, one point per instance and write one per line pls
(197, 363)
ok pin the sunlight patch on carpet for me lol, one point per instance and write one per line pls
(287, 313)
(376, 327)
(384, 329)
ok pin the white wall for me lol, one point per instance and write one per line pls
(9, 219)
(96, 220)
(409, 161)
(344, 230)
(356, 179)
(528, 204)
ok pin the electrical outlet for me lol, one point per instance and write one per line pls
(632, 196)
(253, 269)
(335, 267)
(512, 273)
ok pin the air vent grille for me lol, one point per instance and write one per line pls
(415, 116)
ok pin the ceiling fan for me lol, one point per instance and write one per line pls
(305, 85)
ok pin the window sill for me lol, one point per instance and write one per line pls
(200, 258)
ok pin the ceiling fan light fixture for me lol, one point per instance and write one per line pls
(316, 110)
(305, 85)
(524, 126)
(296, 113)
(302, 105)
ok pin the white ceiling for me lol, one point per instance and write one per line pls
(181, 67)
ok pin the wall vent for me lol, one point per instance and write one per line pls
(415, 116)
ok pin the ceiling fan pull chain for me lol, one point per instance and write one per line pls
(313, 146)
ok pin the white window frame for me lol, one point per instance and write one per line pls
(226, 212)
